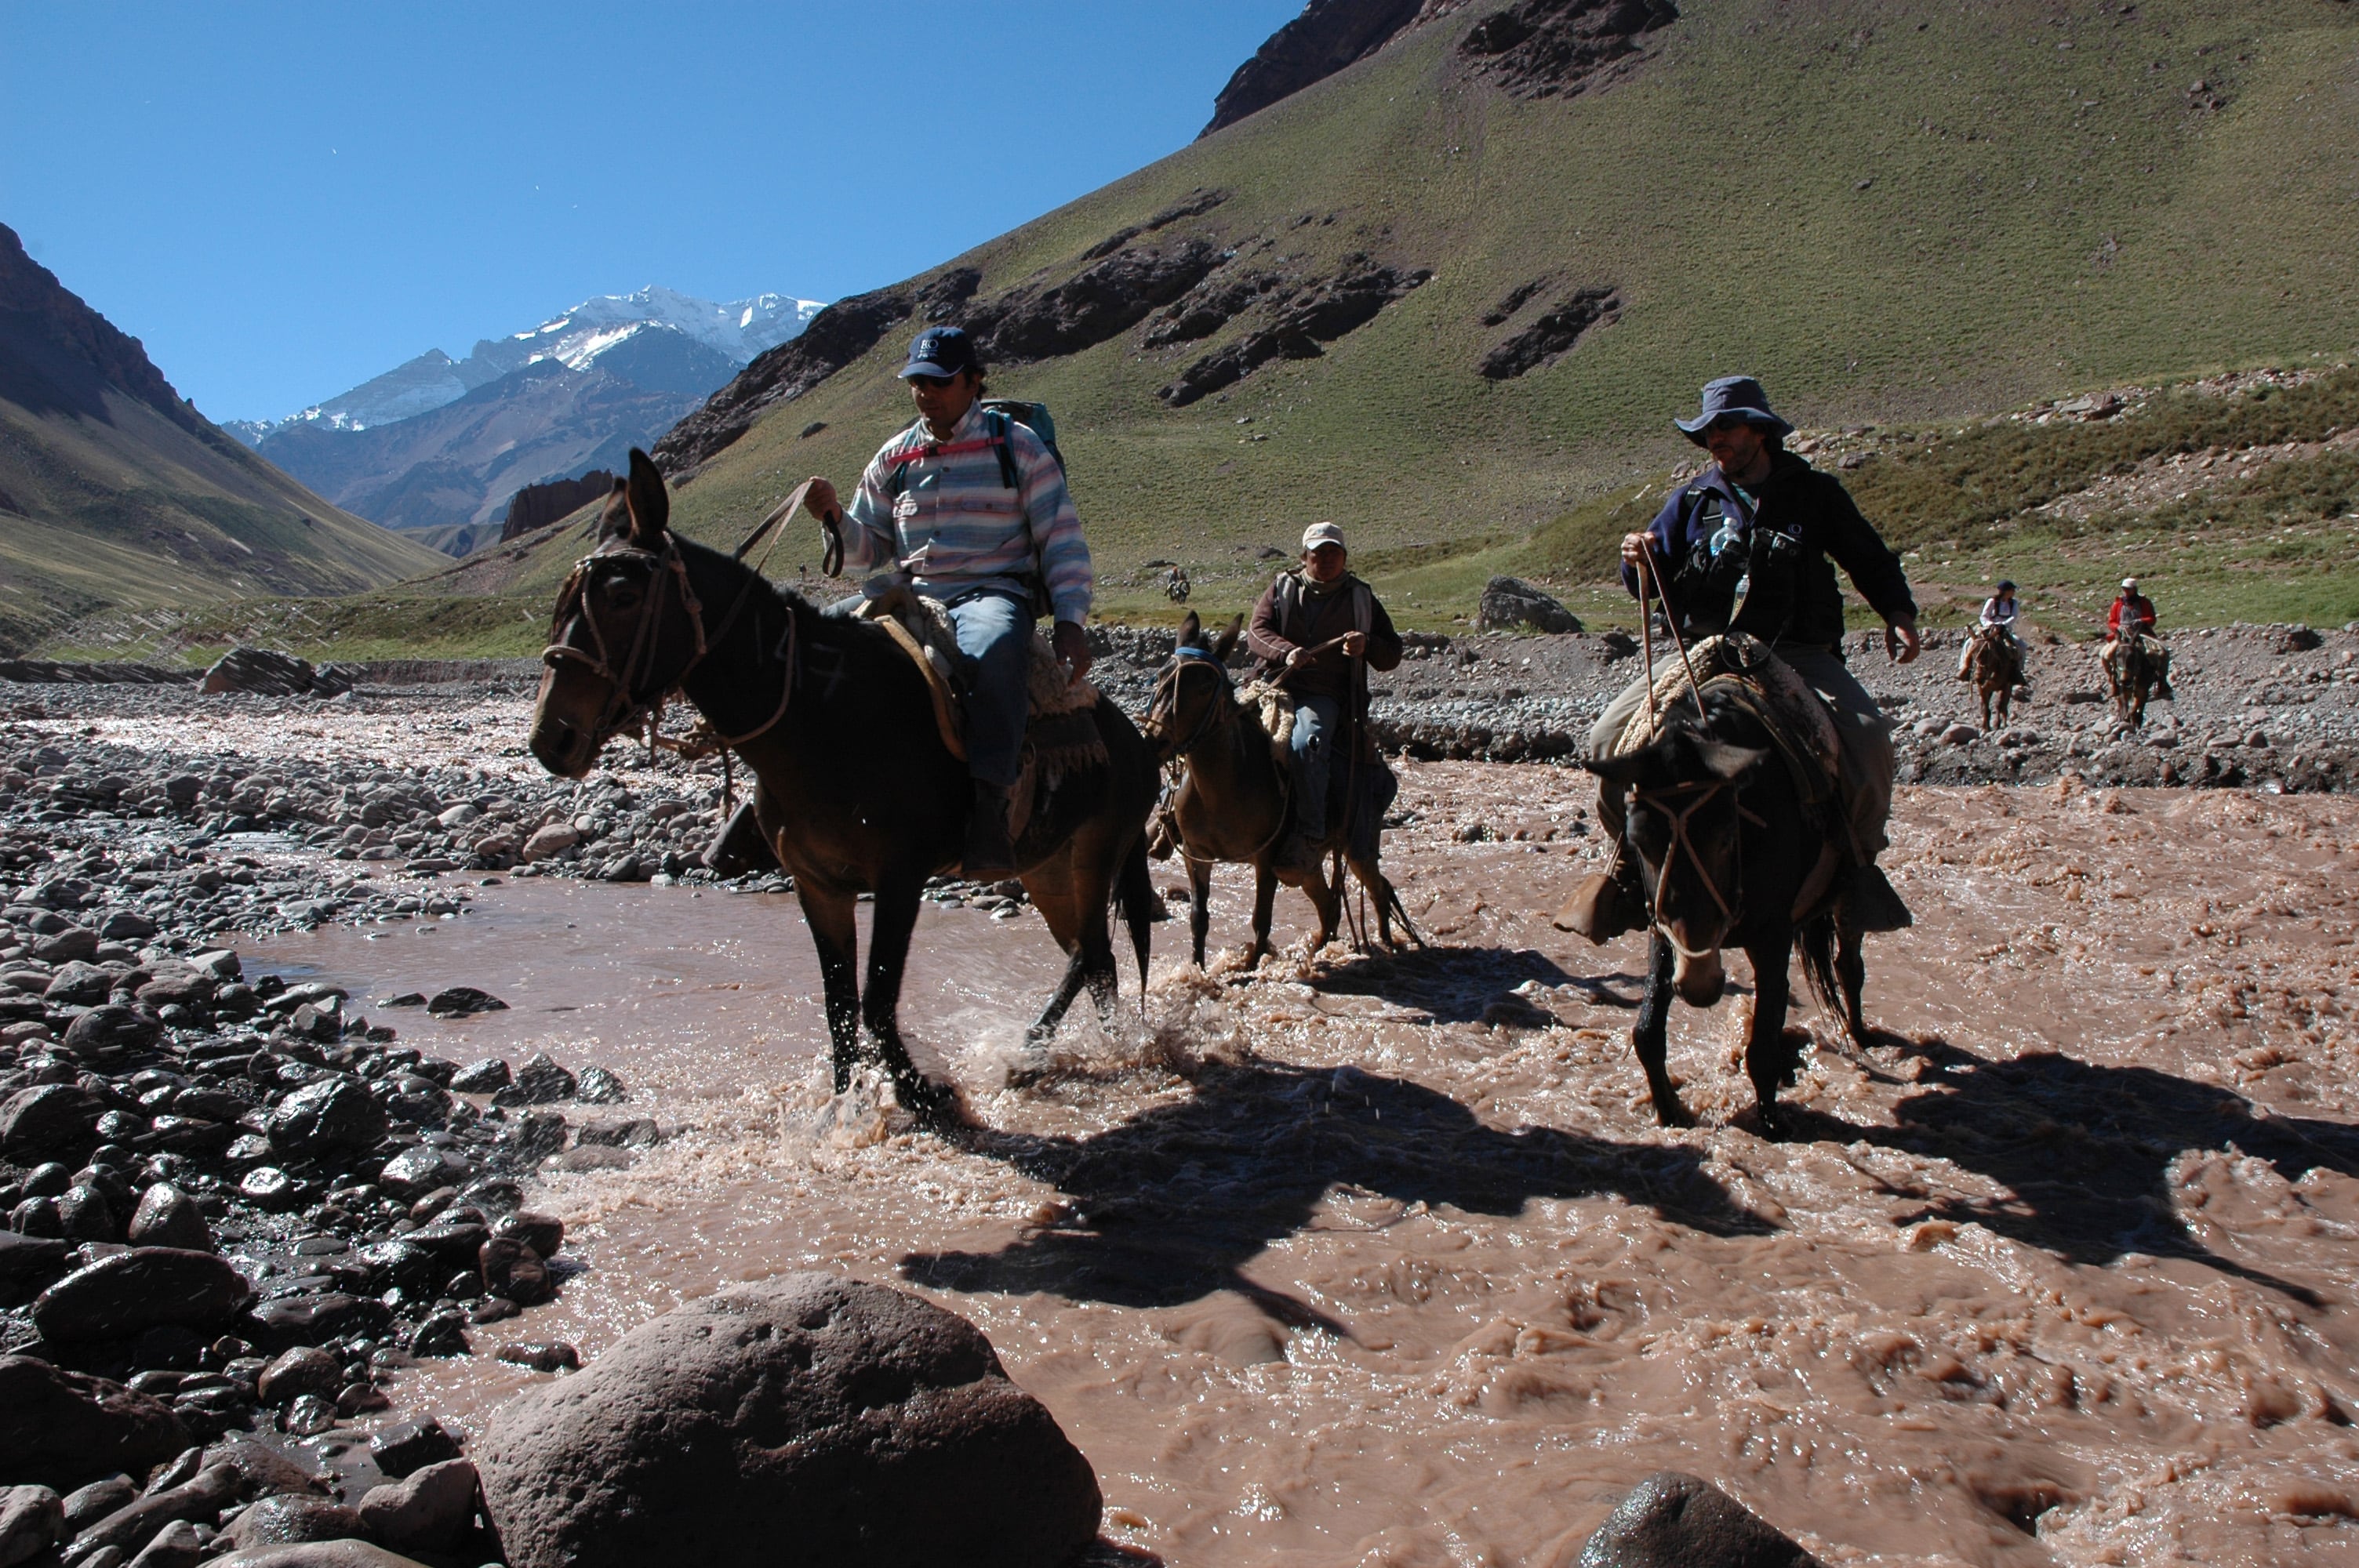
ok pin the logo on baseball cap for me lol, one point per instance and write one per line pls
(940, 351)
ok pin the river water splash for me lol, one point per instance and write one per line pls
(1386, 1263)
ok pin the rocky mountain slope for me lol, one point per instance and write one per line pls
(442, 445)
(1454, 289)
(115, 490)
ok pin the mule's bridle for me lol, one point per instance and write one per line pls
(625, 699)
(1166, 690)
(1700, 793)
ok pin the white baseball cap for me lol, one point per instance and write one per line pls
(1319, 533)
(2129, 585)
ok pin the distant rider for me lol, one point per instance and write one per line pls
(2132, 615)
(2132, 612)
(1314, 629)
(1762, 524)
(1999, 612)
(935, 501)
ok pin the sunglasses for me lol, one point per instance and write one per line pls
(933, 382)
(1728, 422)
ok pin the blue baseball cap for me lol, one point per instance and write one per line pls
(1738, 394)
(940, 351)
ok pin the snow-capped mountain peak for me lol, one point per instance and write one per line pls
(735, 329)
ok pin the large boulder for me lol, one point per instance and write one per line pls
(63, 1429)
(804, 1420)
(1510, 601)
(317, 1554)
(1672, 1519)
(269, 673)
(144, 1288)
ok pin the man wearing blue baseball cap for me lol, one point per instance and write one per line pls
(1751, 545)
(972, 504)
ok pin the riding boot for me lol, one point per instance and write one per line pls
(1604, 904)
(1162, 835)
(1872, 904)
(990, 858)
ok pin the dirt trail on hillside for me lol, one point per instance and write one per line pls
(1385, 1262)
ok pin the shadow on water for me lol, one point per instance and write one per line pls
(2085, 1149)
(1172, 1203)
(1450, 985)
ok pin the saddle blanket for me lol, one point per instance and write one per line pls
(1745, 666)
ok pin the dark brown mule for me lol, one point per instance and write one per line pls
(1730, 857)
(2133, 672)
(1232, 804)
(857, 792)
(1995, 668)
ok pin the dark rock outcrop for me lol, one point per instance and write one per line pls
(1328, 36)
(1563, 325)
(857, 1423)
(1548, 49)
(36, 308)
(1675, 1521)
(538, 505)
(1298, 322)
(64, 1429)
(1102, 299)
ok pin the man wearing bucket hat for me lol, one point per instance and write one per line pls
(972, 504)
(1318, 631)
(1751, 545)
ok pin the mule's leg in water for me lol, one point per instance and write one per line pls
(1650, 1037)
(1325, 897)
(1380, 894)
(1264, 899)
(1053, 896)
(1200, 904)
(889, 930)
(836, 936)
(1770, 1059)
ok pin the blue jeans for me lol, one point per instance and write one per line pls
(1317, 720)
(994, 631)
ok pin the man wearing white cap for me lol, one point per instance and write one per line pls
(1318, 631)
(2132, 616)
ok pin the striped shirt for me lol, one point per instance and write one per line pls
(957, 527)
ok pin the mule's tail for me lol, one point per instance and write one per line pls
(1134, 896)
(1817, 946)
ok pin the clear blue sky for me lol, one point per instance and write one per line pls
(283, 199)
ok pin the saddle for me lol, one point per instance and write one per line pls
(1745, 667)
(1060, 735)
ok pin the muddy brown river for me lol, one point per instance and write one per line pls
(1385, 1262)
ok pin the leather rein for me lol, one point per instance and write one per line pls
(1697, 793)
(668, 570)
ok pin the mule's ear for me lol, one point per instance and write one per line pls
(615, 521)
(1727, 761)
(1621, 772)
(651, 503)
(1192, 631)
(1228, 643)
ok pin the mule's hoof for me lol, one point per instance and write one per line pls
(1668, 1109)
(1032, 1067)
(934, 1105)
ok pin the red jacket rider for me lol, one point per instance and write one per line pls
(2133, 607)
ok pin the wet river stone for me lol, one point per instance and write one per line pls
(47, 1122)
(1672, 1519)
(144, 1288)
(64, 1429)
(166, 1216)
(332, 1114)
(846, 1421)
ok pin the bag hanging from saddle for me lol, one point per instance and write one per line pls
(1742, 574)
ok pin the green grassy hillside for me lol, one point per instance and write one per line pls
(1891, 212)
(1901, 214)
